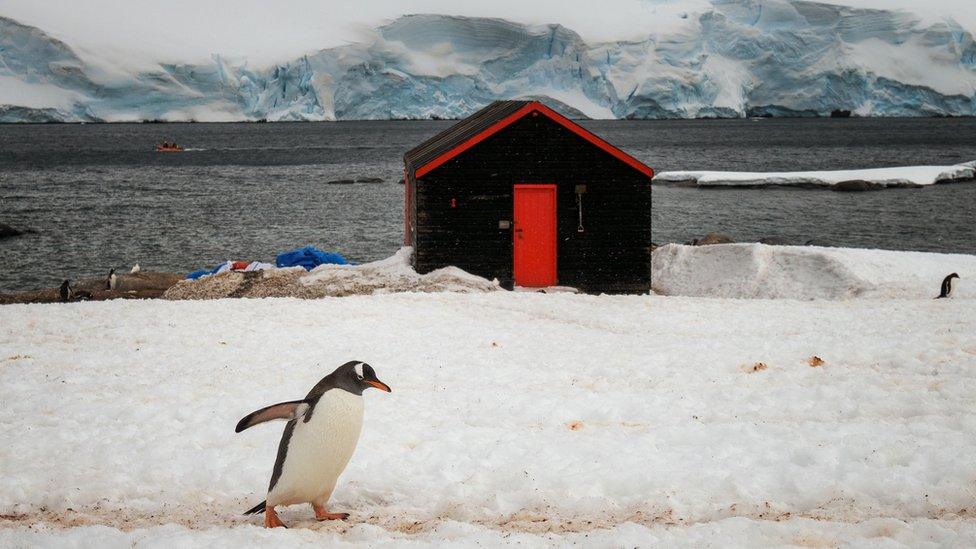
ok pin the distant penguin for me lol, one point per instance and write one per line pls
(946, 286)
(319, 438)
(135, 269)
(64, 292)
(111, 280)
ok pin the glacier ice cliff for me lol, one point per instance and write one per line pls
(738, 58)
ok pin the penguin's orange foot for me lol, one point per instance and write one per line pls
(322, 514)
(271, 519)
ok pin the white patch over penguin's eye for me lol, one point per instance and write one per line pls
(359, 370)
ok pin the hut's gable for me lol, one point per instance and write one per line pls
(490, 120)
(463, 210)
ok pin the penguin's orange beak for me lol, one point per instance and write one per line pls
(380, 385)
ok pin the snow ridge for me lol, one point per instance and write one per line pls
(733, 58)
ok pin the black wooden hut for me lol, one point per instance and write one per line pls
(520, 193)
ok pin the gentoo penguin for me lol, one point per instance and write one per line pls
(64, 291)
(110, 281)
(947, 286)
(319, 438)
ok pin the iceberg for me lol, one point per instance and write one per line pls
(724, 58)
(909, 176)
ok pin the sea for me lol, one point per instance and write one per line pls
(98, 196)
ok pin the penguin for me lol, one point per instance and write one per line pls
(111, 280)
(64, 291)
(946, 286)
(319, 438)
(135, 269)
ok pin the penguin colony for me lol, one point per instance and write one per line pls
(318, 440)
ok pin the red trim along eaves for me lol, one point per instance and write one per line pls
(554, 116)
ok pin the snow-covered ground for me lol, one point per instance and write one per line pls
(515, 418)
(908, 176)
(758, 271)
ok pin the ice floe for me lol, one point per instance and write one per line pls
(908, 176)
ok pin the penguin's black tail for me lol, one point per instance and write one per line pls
(259, 508)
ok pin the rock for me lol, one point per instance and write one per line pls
(146, 280)
(81, 295)
(341, 182)
(815, 242)
(856, 185)
(775, 241)
(713, 238)
(143, 281)
(369, 180)
(6, 231)
(840, 113)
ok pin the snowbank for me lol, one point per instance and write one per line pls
(393, 274)
(909, 176)
(750, 271)
(526, 419)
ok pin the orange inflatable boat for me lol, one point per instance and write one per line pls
(168, 147)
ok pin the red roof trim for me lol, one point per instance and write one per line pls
(554, 116)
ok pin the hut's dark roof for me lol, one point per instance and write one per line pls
(454, 140)
(460, 132)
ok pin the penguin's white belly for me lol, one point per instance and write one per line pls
(319, 450)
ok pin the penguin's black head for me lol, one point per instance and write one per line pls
(953, 275)
(361, 376)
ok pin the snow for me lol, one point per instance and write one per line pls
(650, 59)
(393, 274)
(152, 32)
(913, 176)
(515, 418)
(575, 99)
(758, 271)
(14, 91)
(912, 63)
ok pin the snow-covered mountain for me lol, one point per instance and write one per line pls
(730, 58)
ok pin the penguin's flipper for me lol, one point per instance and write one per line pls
(282, 410)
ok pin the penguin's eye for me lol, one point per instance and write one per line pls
(360, 377)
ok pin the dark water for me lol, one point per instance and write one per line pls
(99, 196)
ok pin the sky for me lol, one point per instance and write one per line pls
(139, 33)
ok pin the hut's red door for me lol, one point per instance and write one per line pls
(534, 236)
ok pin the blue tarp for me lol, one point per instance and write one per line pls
(309, 257)
(203, 272)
